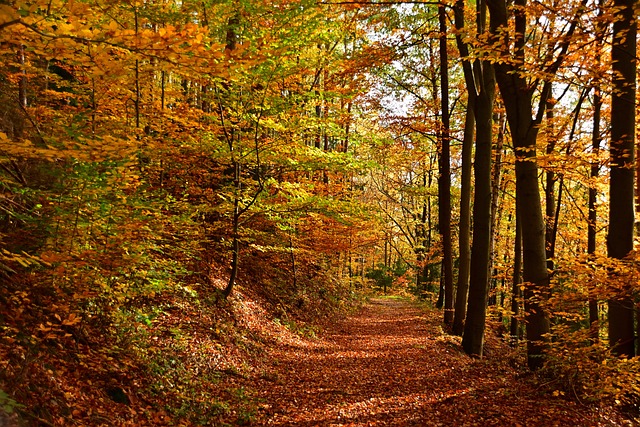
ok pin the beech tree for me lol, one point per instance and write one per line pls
(594, 172)
(623, 128)
(517, 92)
(480, 83)
(444, 180)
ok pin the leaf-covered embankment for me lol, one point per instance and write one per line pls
(184, 357)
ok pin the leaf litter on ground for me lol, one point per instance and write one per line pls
(391, 365)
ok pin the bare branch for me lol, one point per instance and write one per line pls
(10, 23)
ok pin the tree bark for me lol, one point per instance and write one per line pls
(465, 193)
(534, 260)
(464, 233)
(593, 192)
(473, 335)
(480, 82)
(496, 176)
(137, 74)
(22, 81)
(444, 180)
(549, 191)
(621, 208)
(516, 293)
(237, 178)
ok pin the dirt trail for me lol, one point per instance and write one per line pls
(390, 365)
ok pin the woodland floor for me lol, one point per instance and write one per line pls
(391, 365)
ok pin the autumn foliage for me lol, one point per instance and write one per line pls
(185, 183)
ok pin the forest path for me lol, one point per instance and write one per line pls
(391, 365)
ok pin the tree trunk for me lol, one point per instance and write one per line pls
(235, 238)
(137, 73)
(237, 183)
(294, 268)
(480, 83)
(473, 335)
(516, 293)
(22, 81)
(464, 233)
(534, 260)
(549, 192)
(621, 208)
(440, 301)
(594, 323)
(444, 180)
(517, 94)
(496, 175)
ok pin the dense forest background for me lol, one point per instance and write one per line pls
(167, 167)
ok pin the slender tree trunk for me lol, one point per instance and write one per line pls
(237, 182)
(22, 81)
(428, 211)
(550, 200)
(387, 262)
(516, 292)
(496, 175)
(621, 210)
(464, 233)
(473, 335)
(594, 323)
(444, 180)
(294, 268)
(347, 129)
(235, 249)
(440, 302)
(163, 78)
(421, 270)
(593, 215)
(137, 73)
(94, 106)
(481, 85)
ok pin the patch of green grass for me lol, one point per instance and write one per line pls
(394, 297)
(7, 404)
(247, 406)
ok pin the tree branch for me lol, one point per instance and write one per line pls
(10, 23)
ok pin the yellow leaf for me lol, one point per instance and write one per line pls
(7, 13)
(113, 26)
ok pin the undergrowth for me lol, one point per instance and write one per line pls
(177, 357)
